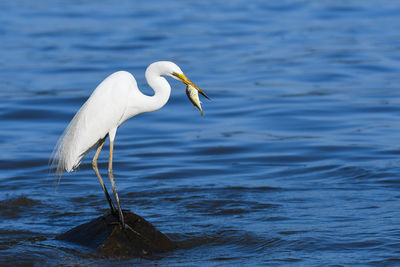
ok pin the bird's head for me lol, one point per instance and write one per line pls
(172, 70)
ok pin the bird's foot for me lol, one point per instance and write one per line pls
(122, 224)
(121, 219)
(113, 211)
(125, 227)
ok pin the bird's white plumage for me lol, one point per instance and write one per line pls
(115, 100)
(101, 113)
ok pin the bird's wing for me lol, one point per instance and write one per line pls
(101, 113)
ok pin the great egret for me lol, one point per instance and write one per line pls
(115, 100)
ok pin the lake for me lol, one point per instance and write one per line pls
(295, 161)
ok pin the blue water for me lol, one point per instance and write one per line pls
(296, 161)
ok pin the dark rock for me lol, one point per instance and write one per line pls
(105, 235)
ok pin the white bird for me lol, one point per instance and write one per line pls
(115, 100)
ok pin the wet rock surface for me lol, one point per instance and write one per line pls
(106, 236)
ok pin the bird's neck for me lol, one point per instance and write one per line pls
(162, 91)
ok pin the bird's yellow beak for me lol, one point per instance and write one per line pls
(186, 80)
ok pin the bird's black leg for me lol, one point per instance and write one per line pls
(111, 177)
(96, 170)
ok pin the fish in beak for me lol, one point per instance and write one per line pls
(193, 96)
(192, 91)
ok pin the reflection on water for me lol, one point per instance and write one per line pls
(295, 160)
